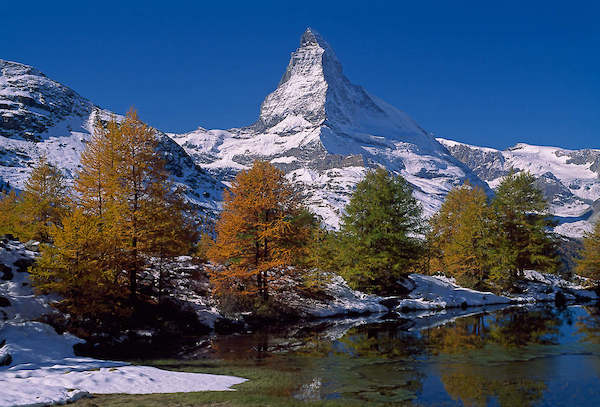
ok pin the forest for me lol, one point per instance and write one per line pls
(110, 240)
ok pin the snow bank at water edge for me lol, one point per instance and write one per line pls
(44, 370)
(39, 367)
(338, 300)
(440, 292)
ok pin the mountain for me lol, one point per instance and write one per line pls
(325, 133)
(570, 179)
(41, 116)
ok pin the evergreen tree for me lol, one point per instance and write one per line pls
(380, 233)
(460, 236)
(522, 239)
(589, 263)
(43, 203)
(262, 232)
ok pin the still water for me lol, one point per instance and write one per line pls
(514, 356)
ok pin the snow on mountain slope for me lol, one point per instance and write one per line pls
(41, 116)
(570, 179)
(325, 133)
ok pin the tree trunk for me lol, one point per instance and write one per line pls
(259, 281)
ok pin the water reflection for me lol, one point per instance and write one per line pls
(515, 356)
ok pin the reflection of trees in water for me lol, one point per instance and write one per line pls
(388, 340)
(380, 362)
(368, 363)
(511, 328)
(522, 327)
(508, 384)
(589, 325)
(478, 389)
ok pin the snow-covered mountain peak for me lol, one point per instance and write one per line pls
(314, 91)
(10, 68)
(325, 133)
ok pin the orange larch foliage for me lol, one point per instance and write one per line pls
(262, 231)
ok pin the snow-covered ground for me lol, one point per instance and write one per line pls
(440, 292)
(39, 366)
(340, 300)
(44, 371)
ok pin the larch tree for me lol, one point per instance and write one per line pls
(381, 234)
(95, 182)
(522, 237)
(589, 263)
(124, 195)
(262, 232)
(43, 202)
(459, 236)
(170, 233)
(141, 203)
(8, 212)
(77, 267)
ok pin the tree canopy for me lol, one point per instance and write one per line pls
(381, 234)
(262, 232)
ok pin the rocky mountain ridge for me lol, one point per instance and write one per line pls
(39, 116)
(321, 129)
(325, 133)
(570, 179)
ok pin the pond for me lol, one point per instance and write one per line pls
(512, 356)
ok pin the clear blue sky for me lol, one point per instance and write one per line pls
(470, 71)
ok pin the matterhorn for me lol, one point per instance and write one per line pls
(325, 133)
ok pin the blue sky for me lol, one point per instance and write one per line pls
(484, 74)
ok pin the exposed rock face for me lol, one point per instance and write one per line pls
(325, 133)
(41, 116)
(570, 179)
(30, 103)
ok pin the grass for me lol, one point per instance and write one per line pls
(267, 386)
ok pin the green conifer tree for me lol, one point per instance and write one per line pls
(380, 234)
(522, 237)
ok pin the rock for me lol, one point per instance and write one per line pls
(6, 273)
(5, 359)
(390, 302)
(32, 245)
(4, 302)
